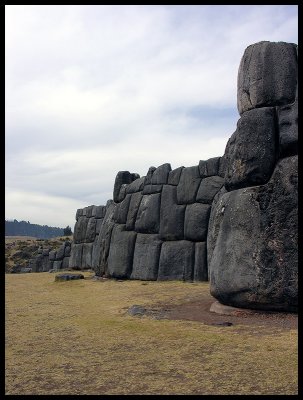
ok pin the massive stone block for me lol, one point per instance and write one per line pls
(150, 189)
(80, 229)
(99, 212)
(98, 225)
(267, 75)
(200, 267)
(188, 185)
(75, 260)
(176, 261)
(121, 210)
(146, 257)
(120, 258)
(91, 230)
(250, 152)
(89, 211)
(160, 175)
(79, 213)
(87, 256)
(147, 180)
(209, 167)
(122, 193)
(67, 250)
(196, 222)
(60, 252)
(123, 177)
(209, 187)
(148, 214)
(135, 186)
(174, 176)
(133, 210)
(254, 261)
(102, 242)
(171, 215)
(65, 263)
(288, 129)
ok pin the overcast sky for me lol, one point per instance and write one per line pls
(95, 89)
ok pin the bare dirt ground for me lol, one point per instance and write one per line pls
(199, 310)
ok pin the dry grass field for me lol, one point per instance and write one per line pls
(76, 337)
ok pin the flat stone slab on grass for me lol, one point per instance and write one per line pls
(68, 277)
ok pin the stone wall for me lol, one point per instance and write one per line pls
(231, 218)
(253, 231)
(86, 232)
(48, 259)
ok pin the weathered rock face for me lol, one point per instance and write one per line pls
(253, 228)
(267, 75)
(85, 246)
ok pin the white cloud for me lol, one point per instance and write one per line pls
(91, 90)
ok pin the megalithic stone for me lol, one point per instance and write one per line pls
(267, 75)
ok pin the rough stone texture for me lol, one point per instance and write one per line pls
(188, 185)
(222, 167)
(196, 222)
(80, 229)
(102, 243)
(87, 256)
(67, 250)
(147, 180)
(160, 175)
(288, 129)
(122, 193)
(176, 261)
(121, 211)
(150, 189)
(57, 264)
(148, 216)
(91, 230)
(200, 266)
(174, 176)
(75, 260)
(52, 255)
(135, 186)
(60, 252)
(250, 152)
(123, 177)
(209, 187)
(65, 263)
(98, 225)
(257, 244)
(171, 215)
(133, 210)
(209, 167)
(267, 75)
(89, 211)
(146, 257)
(45, 252)
(213, 225)
(79, 213)
(99, 212)
(120, 258)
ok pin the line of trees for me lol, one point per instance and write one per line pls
(23, 228)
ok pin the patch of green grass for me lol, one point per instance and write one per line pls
(77, 338)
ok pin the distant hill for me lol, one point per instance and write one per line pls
(23, 228)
